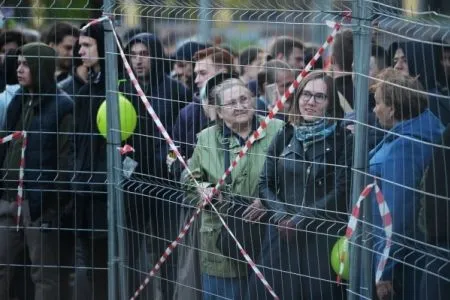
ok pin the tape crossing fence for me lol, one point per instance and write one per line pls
(19, 199)
(387, 224)
(207, 200)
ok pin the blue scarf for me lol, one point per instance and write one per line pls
(309, 133)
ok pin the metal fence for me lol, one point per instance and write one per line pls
(349, 201)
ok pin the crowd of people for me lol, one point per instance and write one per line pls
(287, 200)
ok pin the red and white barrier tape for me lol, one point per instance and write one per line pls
(387, 224)
(19, 199)
(279, 104)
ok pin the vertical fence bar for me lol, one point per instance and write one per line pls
(115, 199)
(204, 26)
(362, 51)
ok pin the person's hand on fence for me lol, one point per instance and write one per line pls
(207, 192)
(385, 290)
(255, 211)
(286, 228)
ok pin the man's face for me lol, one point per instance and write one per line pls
(204, 69)
(88, 51)
(183, 72)
(23, 72)
(6, 47)
(297, 59)
(140, 60)
(256, 66)
(284, 81)
(65, 51)
(446, 60)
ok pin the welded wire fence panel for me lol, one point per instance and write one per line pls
(208, 73)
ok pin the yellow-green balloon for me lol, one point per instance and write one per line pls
(339, 250)
(128, 118)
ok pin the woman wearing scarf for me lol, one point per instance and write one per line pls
(305, 184)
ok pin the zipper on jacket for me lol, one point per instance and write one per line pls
(308, 171)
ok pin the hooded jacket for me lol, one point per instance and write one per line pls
(400, 162)
(47, 116)
(91, 156)
(167, 96)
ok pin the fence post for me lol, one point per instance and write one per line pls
(204, 25)
(116, 248)
(362, 51)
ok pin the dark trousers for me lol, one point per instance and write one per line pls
(91, 274)
(296, 268)
(43, 249)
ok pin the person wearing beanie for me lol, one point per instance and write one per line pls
(183, 67)
(155, 202)
(45, 113)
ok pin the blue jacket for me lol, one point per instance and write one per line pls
(400, 163)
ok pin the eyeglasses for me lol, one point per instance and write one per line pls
(305, 96)
(243, 100)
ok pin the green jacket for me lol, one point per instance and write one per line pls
(207, 166)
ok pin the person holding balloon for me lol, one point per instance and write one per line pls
(305, 184)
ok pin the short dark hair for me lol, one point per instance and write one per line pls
(381, 57)
(219, 57)
(334, 110)
(285, 45)
(9, 36)
(270, 71)
(402, 92)
(58, 31)
(248, 56)
(343, 50)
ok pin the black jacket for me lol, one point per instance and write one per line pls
(435, 213)
(306, 184)
(167, 96)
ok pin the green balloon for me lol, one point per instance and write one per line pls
(128, 118)
(339, 249)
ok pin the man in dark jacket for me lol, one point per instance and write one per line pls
(45, 113)
(151, 202)
(78, 77)
(91, 172)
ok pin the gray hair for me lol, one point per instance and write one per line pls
(218, 91)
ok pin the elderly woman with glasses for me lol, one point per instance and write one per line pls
(225, 277)
(305, 183)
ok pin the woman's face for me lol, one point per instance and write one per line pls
(313, 100)
(383, 112)
(237, 106)
(400, 61)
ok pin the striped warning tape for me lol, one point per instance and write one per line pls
(19, 199)
(279, 105)
(387, 224)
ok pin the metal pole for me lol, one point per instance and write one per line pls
(362, 52)
(115, 199)
(204, 26)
